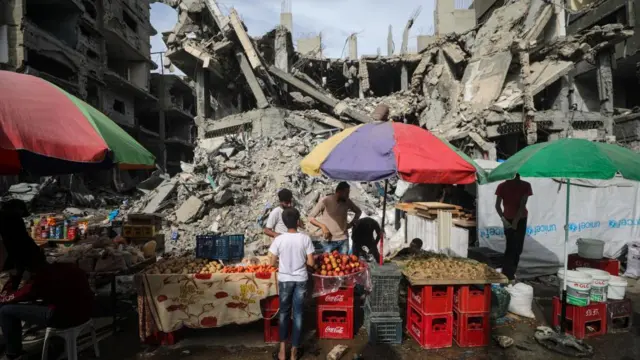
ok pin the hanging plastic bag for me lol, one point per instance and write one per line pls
(521, 299)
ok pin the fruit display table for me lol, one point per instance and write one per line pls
(167, 303)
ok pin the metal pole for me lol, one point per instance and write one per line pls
(563, 312)
(384, 212)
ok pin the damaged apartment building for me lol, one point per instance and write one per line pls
(99, 51)
(490, 88)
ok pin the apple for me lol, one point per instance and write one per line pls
(339, 261)
(338, 269)
(324, 267)
(327, 260)
(341, 273)
(323, 272)
(354, 258)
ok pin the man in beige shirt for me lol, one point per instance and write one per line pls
(330, 216)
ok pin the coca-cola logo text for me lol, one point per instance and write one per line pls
(593, 312)
(416, 330)
(334, 298)
(334, 330)
(417, 298)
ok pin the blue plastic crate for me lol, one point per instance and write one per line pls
(220, 247)
(385, 330)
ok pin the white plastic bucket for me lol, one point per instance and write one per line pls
(590, 248)
(578, 287)
(599, 283)
(617, 287)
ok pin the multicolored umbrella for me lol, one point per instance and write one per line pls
(45, 131)
(378, 151)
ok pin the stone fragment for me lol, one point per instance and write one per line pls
(189, 209)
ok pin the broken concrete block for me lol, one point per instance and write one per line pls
(189, 209)
(483, 78)
(454, 53)
(223, 197)
(337, 352)
(238, 173)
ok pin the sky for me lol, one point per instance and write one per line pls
(335, 19)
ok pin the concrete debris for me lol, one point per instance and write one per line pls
(337, 352)
(189, 209)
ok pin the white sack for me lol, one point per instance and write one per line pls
(521, 299)
(633, 261)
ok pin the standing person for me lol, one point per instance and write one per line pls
(362, 235)
(330, 215)
(293, 252)
(275, 226)
(513, 195)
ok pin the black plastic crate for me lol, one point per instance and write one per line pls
(220, 247)
(385, 281)
(385, 330)
(389, 312)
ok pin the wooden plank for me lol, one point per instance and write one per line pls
(434, 205)
(416, 281)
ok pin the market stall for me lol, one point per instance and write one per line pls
(183, 291)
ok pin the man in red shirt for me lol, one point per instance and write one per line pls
(57, 295)
(513, 195)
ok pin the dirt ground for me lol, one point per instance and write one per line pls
(246, 342)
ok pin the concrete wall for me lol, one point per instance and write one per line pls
(424, 41)
(286, 20)
(448, 19)
(585, 93)
(310, 46)
(112, 99)
(139, 74)
(483, 7)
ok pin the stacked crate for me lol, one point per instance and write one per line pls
(430, 315)
(471, 315)
(382, 315)
(335, 314)
(270, 308)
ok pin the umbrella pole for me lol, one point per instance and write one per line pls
(384, 213)
(566, 251)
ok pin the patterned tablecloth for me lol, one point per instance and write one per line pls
(167, 303)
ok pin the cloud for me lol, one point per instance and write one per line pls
(335, 19)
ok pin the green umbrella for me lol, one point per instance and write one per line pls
(570, 159)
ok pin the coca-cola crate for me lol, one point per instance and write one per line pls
(612, 266)
(619, 315)
(582, 321)
(272, 330)
(472, 298)
(471, 329)
(341, 298)
(271, 303)
(335, 322)
(432, 299)
(434, 331)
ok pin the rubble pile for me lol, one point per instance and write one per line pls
(233, 184)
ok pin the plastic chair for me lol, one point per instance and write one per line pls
(70, 337)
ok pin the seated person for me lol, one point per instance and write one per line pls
(415, 248)
(64, 297)
(362, 235)
(16, 239)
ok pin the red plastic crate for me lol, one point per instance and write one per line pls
(471, 329)
(271, 303)
(341, 298)
(472, 298)
(272, 330)
(582, 321)
(619, 315)
(335, 322)
(611, 266)
(432, 299)
(433, 331)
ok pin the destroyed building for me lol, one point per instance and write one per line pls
(490, 90)
(99, 51)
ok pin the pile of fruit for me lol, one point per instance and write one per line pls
(441, 267)
(211, 267)
(181, 265)
(334, 264)
(249, 269)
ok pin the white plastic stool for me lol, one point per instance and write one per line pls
(70, 337)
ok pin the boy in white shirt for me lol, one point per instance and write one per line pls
(294, 252)
(274, 225)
